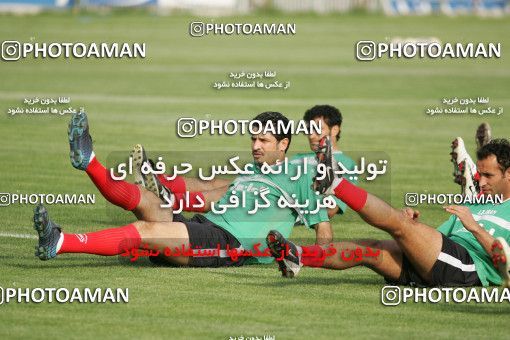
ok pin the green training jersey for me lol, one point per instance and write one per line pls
(252, 228)
(340, 157)
(495, 219)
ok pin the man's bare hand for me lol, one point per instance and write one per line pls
(464, 215)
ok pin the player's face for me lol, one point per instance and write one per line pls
(314, 138)
(266, 149)
(493, 181)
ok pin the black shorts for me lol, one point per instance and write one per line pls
(454, 267)
(205, 235)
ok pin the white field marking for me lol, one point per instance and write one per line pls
(14, 235)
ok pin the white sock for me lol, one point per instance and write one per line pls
(60, 241)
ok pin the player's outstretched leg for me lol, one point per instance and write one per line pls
(483, 135)
(501, 259)
(109, 242)
(49, 234)
(464, 169)
(286, 254)
(196, 201)
(382, 256)
(120, 193)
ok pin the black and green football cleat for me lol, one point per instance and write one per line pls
(49, 234)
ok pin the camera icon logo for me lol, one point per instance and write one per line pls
(197, 29)
(187, 127)
(365, 50)
(5, 199)
(391, 295)
(11, 50)
(411, 199)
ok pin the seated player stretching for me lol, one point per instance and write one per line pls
(158, 228)
(466, 250)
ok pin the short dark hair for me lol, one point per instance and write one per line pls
(274, 117)
(331, 115)
(499, 148)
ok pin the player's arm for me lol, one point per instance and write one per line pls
(465, 216)
(323, 233)
(214, 195)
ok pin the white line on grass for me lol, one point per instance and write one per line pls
(13, 235)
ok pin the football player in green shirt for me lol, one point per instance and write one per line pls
(230, 237)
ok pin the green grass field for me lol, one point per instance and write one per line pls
(139, 101)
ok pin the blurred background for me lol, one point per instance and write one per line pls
(230, 7)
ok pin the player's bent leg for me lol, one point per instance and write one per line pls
(420, 243)
(109, 242)
(430, 258)
(382, 256)
(181, 199)
(428, 252)
(120, 193)
(117, 192)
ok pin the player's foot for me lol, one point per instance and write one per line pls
(326, 180)
(49, 234)
(501, 259)
(464, 169)
(139, 158)
(286, 254)
(80, 141)
(483, 135)
(142, 171)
